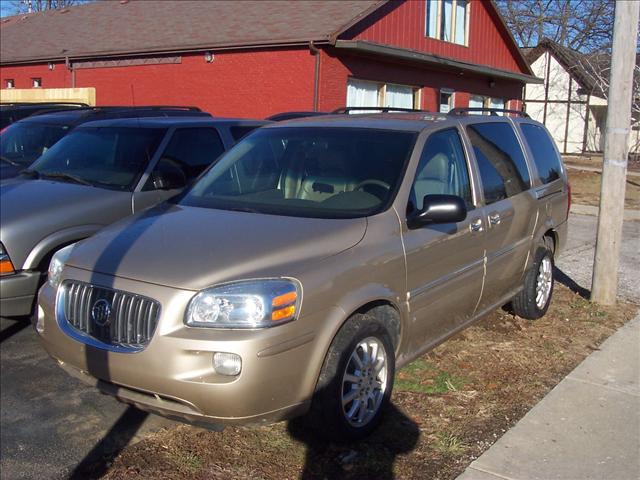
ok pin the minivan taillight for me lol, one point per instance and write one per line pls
(568, 198)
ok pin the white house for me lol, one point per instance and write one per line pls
(572, 101)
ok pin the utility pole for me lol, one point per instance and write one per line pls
(616, 150)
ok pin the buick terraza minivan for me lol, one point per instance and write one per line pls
(308, 264)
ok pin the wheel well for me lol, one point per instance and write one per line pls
(43, 265)
(388, 314)
(551, 235)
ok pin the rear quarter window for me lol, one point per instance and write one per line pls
(545, 156)
(503, 168)
(240, 131)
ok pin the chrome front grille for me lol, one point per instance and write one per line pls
(112, 317)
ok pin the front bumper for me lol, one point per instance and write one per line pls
(18, 292)
(174, 374)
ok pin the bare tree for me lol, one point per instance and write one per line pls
(29, 6)
(583, 25)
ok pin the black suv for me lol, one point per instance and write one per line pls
(12, 112)
(24, 141)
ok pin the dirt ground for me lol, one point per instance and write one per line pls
(585, 188)
(448, 407)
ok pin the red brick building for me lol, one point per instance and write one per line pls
(256, 58)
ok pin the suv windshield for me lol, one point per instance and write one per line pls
(22, 143)
(308, 172)
(107, 157)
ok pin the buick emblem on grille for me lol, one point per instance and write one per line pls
(101, 312)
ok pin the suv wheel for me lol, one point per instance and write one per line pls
(356, 380)
(534, 299)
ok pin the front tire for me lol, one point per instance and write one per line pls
(534, 299)
(356, 380)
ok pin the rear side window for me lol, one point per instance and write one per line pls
(503, 169)
(194, 149)
(238, 131)
(545, 155)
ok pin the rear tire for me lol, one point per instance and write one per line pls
(356, 380)
(534, 299)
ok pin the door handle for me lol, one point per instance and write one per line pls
(494, 219)
(476, 226)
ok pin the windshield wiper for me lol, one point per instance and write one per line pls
(66, 176)
(30, 173)
(10, 162)
(243, 209)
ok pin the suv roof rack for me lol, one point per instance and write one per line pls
(378, 109)
(115, 109)
(493, 111)
(41, 104)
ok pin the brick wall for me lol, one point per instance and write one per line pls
(245, 84)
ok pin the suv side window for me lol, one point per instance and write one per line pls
(442, 170)
(545, 155)
(239, 131)
(190, 150)
(503, 168)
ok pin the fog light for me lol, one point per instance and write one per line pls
(40, 321)
(227, 363)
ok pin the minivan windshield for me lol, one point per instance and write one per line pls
(324, 172)
(22, 142)
(106, 157)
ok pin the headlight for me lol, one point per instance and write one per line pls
(6, 267)
(57, 265)
(246, 304)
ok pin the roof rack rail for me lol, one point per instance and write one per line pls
(377, 109)
(145, 107)
(41, 104)
(116, 108)
(492, 111)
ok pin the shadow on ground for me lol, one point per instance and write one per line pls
(396, 435)
(17, 325)
(561, 277)
(96, 463)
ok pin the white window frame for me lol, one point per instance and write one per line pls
(36, 82)
(10, 83)
(382, 91)
(438, 35)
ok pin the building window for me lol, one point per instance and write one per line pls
(478, 101)
(362, 93)
(10, 83)
(36, 82)
(447, 98)
(448, 20)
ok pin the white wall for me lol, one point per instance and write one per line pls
(559, 83)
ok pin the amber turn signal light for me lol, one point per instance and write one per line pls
(6, 267)
(284, 307)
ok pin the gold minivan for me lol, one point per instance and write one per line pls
(310, 262)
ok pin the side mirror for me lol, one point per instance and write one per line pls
(168, 176)
(438, 209)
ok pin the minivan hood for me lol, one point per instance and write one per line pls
(193, 248)
(31, 210)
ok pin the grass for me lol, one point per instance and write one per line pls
(449, 444)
